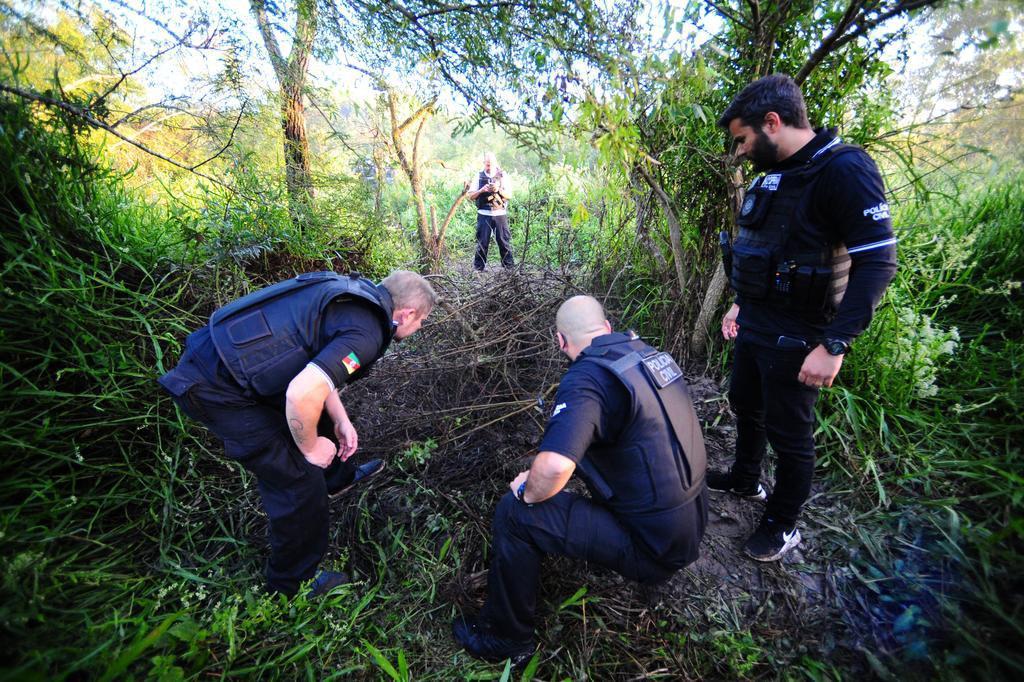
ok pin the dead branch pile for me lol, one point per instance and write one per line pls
(476, 383)
(476, 380)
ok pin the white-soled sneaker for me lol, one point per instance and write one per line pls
(771, 540)
(722, 481)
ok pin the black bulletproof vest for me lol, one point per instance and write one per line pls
(780, 256)
(267, 337)
(489, 201)
(658, 462)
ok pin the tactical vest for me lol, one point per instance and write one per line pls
(490, 201)
(267, 337)
(781, 257)
(658, 462)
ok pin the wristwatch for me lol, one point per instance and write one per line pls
(521, 492)
(836, 347)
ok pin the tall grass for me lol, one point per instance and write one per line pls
(83, 322)
(927, 423)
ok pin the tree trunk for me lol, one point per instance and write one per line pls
(296, 156)
(716, 288)
(291, 79)
(439, 233)
(426, 240)
(674, 229)
(412, 167)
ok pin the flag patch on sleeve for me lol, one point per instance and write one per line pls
(351, 362)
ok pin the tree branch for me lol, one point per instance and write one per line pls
(448, 9)
(259, 8)
(827, 45)
(836, 39)
(426, 109)
(96, 123)
(674, 229)
(159, 53)
(728, 14)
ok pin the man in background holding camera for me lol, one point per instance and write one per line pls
(814, 253)
(491, 191)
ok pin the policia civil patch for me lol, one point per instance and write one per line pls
(662, 369)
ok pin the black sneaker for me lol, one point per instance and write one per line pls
(363, 473)
(771, 540)
(722, 482)
(479, 643)
(325, 581)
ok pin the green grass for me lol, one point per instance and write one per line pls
(927, 423)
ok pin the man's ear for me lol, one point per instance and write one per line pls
(608, 326)
(561, 340)
(772, 122)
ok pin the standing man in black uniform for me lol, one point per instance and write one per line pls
(263, 377)
(491, 191)
(624, 420)
(814, 254)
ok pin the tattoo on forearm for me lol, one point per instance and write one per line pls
(297, 430)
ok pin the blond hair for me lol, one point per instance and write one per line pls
(410, 290)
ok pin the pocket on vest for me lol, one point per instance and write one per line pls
(752, 270)
(248, 328)
(811, 287)
(273, 376)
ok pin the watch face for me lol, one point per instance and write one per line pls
(835, 347)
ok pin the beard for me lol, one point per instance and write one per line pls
(764, 154)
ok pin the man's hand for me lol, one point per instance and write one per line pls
(348, 439)
(322, 453)
(518, 481)
(729, 327)
(820, 368)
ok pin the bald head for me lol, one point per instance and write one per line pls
(580, 319)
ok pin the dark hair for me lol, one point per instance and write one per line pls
(778, 93)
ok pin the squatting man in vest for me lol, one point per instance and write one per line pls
(491, 191)
(624, 421)
(264, 376)
(813, 255)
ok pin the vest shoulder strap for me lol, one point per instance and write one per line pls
(826, 155)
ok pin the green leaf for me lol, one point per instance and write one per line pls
(132, 653)
(575, 599)
(383, 663)
(529, 672)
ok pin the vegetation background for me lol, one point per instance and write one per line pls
(160, 159)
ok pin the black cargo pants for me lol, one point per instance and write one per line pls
(293, 491)
(772, 406)
(566, 524)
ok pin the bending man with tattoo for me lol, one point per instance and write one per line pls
(264, 376)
